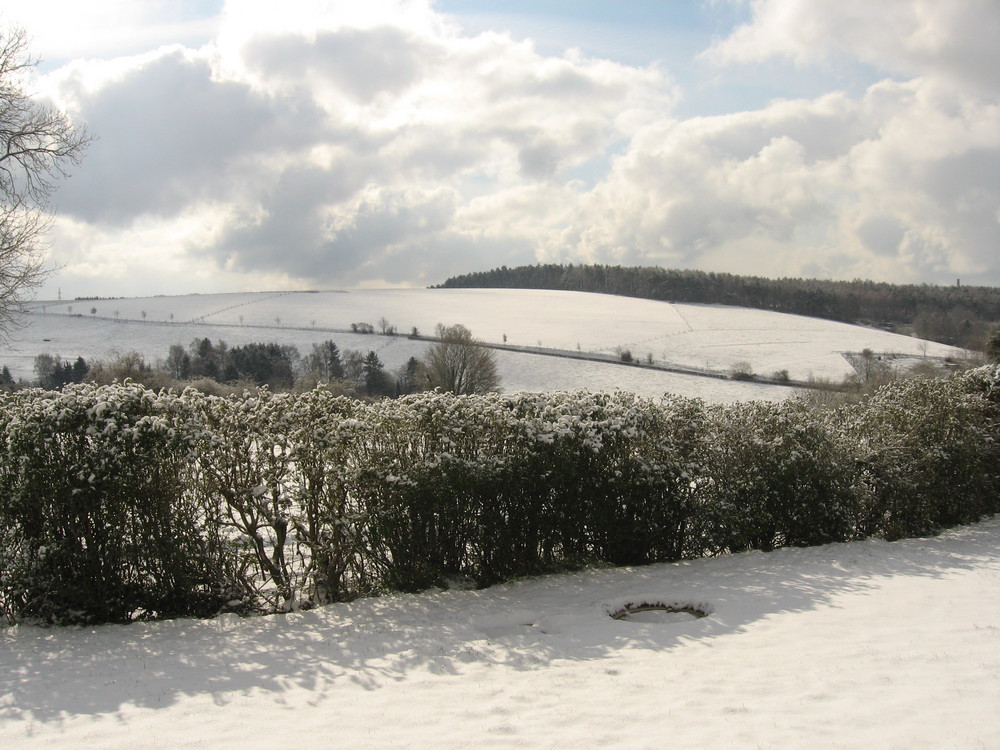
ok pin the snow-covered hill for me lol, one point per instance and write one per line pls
(706, 337)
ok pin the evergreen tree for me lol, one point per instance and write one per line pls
(325, 360)
(80, 370)
(375, 381)
(62, 375)
(207, 360)
(993, 347)
(263, 364)
(53, 372)
(179, 362)
(408, 377)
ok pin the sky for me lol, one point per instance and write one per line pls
(249, 145)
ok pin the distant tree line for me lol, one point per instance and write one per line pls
(52, 372)
(956, 315)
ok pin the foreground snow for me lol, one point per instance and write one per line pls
(859, 645)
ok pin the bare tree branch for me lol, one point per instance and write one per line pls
(38, 144)
(456, 363)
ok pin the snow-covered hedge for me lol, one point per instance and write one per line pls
(118, 503)
(780, 474)
(926, 455)
(96, 523)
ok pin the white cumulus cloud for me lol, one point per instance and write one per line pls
(349, 143)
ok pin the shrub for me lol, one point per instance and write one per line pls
(118, 503)
(326, 428)
(776, 476)
(242, 477)
(97, 524)
(925, 456)
(616, 473)
(741, 371)
(428, 467)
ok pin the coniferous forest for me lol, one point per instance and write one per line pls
(957, 315)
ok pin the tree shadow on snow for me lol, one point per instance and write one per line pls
(50, 675)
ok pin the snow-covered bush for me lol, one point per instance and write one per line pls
(430, 469)
(241, 475)
(985, 383)
(615, 474)
(925, 456)
(96, 522)
(273, 470)
(777, 477)
(489, 487)
(325, 430)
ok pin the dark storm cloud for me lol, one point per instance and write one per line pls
(169, 134)
(297, 232)
(285, 229)
(881, 234)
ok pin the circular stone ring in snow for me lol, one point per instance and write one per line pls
(651, 609)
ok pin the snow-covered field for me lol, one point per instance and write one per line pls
(862, 645)
(709, 337)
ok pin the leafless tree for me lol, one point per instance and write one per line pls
(457, 363)
(38, 143)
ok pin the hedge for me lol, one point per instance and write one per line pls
(120, 503)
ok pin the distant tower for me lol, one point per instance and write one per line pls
(60, 294)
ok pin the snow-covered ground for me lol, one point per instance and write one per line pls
(862, 645)
(711, 337)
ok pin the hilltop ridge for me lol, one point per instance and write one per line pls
(954, 315)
